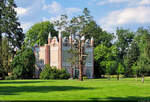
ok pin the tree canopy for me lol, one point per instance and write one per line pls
(38, 33)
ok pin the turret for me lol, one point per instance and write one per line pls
(92, 42)
(60, 50)
(47, 54)
(92, 45)
(70, 39)
(49, 38)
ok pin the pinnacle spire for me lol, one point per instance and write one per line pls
(92, 39)
(49, 36)
(60, 35)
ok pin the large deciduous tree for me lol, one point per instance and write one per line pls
(106, 56)
(130, 58)
(124, 39)
(38, 33)
(143, 63)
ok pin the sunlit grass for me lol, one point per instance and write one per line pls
(90, 89)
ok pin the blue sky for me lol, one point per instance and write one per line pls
(109, 14)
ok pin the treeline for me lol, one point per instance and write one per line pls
(128, 55)
(124, 53)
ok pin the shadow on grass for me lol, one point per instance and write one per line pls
(12, 90)
(21, 82)
(121, 99)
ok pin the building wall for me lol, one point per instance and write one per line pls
(40, 56)
(54, 57)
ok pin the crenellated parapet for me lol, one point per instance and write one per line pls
(67, 41)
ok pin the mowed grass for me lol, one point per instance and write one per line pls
(91, 89)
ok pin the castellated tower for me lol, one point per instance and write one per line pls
(55, 53)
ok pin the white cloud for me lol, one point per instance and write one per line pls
(144, 2)
(102, 2)
(21, 11)
(135, 15)
(129, 2)
(54, 7)
(72, 10)
(45, 19)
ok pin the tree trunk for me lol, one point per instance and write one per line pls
(71, 72)
(118, 77)
(108, 77)
(80, 72)
(136, 77)
(142, 78)
(80, 62)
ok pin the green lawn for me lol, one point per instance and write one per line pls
(92, 89)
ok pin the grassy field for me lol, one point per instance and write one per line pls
(90, 89)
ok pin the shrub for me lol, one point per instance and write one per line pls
(53, 73)
(11, 77)
(63, 74)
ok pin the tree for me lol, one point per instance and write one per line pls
(147, 48)
(95, 31)
(106, 56)
(143, 63)
(23, 63)
(120, 70)
(124, 39)
(131, 57)
(5, 58)
(110, 65)
(143, 66)
(38, 33)
(10, 27)
(135, 70)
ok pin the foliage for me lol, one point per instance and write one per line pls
(100, 37)
(106, 56)
(5, 57)
(120, 69)
(135, 70)
(10, 27)
(11, 77)
(131, 57)
(23, 64)
(53, 73)
(143, 65)
(124, 39)
(84, 24)
(38, 33)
